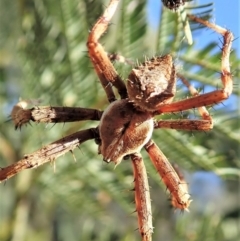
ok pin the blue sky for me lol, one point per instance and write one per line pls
(226, 14)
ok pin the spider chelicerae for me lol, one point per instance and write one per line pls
(126, 126)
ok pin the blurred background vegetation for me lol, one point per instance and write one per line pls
(43, 57)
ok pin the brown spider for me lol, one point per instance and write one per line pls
(126, 126)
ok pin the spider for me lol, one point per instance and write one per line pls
(126, 126)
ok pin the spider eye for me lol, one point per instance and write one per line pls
(153, 83)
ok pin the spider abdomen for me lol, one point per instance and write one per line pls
(123, 130)
(153, 83)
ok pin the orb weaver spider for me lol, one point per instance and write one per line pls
(126, 126)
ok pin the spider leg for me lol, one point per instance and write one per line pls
(142, 198)
(102, 64)
(171, 177)
(226, 77)
(184, 124)
(48, 153)
(178, 190)
(50, 114)
(183, 182)
(205, 124)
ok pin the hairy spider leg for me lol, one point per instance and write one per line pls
(205, 124)
(101, 62)
(212, 97)
(51, 114)
(47, 153)
(178, 190)
(142, 198)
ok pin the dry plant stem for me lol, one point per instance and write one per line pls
(47, 153)
(102, 64)
(142, 198)
(52, 114)
(178, 190)
(226, 77)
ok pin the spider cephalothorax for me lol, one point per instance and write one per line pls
(126, 126)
